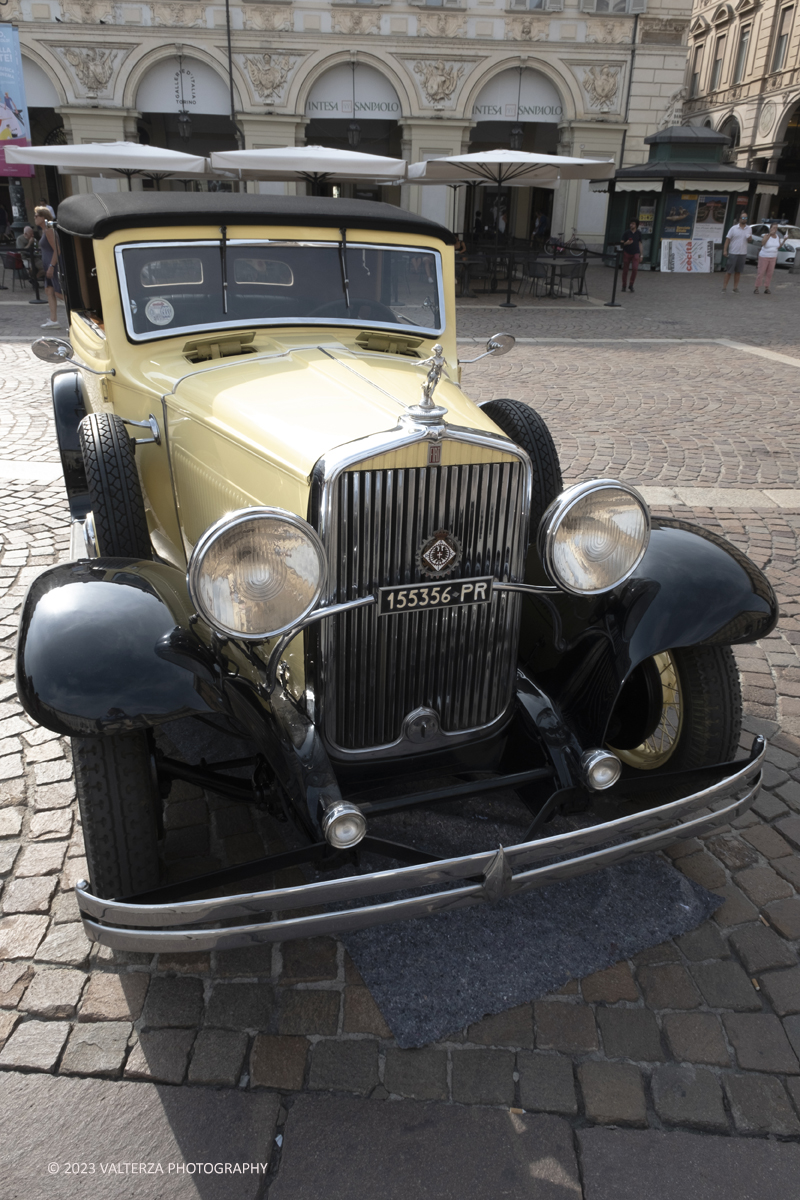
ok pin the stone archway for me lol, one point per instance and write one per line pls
(185, 105)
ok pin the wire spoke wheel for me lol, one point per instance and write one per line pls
(659, 747)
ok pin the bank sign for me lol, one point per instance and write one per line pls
(14, 126)
(512, 96)
(510, 112)
(344, 92)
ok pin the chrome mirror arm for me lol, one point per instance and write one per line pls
(498, 343)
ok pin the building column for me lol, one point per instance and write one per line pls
(83, 124)
(433, 138)
(574, 206)
(271, 132)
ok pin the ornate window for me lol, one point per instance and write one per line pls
(614, 6)
(719, 55)
(534, 5)
(782, 44)
(741, 54)
(697, 67)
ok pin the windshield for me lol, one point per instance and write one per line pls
(182, 287)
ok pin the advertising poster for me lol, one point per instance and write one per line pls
(679, 216)
(693, 256)
(710, 219)
(14, 127)
(647, 216)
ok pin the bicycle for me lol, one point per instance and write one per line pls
(556, 246)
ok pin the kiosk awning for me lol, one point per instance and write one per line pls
(707, 186)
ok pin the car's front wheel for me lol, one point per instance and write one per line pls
(679, 710)
(119, 804)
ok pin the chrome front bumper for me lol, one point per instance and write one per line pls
(473, 879)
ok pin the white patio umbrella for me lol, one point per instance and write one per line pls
(313, 164)
(107, 159)
(507, 167)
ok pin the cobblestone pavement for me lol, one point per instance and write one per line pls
(701, 1034)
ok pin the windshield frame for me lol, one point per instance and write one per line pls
(273, 322)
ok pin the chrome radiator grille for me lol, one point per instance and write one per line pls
(459, 662)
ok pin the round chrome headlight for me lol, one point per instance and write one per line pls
(257, 572)
(594, 535)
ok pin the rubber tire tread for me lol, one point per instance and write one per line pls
(118, 810)
(528, 429)
(712, 707)
(116, 494)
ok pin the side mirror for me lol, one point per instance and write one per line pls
(52, 350)
(498, 343)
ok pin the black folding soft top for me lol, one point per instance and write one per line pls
(97, 215)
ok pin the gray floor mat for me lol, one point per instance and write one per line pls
(433, 976)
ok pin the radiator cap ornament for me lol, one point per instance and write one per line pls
(439, 555)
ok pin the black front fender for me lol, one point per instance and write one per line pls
(692, 588)
(88, 658)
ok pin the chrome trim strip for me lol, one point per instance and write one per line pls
(659, 827)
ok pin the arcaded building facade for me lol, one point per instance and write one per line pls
(743, 79)
(418, 80)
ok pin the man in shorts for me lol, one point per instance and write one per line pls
(736, 250)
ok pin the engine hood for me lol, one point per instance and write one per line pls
(293, 405)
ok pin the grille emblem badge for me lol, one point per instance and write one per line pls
(440, 554)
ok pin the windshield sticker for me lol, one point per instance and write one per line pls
(159, 311)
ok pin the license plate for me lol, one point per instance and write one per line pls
(434, 595)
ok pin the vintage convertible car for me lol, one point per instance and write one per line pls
(457, 680)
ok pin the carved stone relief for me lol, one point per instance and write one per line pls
(356, 21)
(267, 18)
(767, 118)
(92, 68)
(88, 12)
(527, 29)
(608, 33)
(673, 113)
(601, 85)
(441, 25)
(666, 32)
(268, 74)
(439, 79)
(184, 16)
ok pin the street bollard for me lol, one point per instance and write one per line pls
(613, 303)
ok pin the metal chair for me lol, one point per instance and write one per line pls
(12, 261)
(569, 273)
(532, 273)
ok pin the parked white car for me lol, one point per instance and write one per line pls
(787, 250)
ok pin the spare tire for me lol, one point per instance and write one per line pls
(120, 523)
(527, 429)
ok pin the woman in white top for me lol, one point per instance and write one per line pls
(767, 258)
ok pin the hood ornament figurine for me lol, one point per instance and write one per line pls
(426, 412)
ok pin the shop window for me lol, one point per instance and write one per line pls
(782, 44)
(697, 67)
(716, 70)
(741, 54)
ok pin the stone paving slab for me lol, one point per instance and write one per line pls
(345, 1149)
(82, 1139)
(624, 1165)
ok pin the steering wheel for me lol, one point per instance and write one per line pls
(359, 310)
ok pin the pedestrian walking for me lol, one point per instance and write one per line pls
(631, 254)
(736, 250)
(768, 257)
(48, 247)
